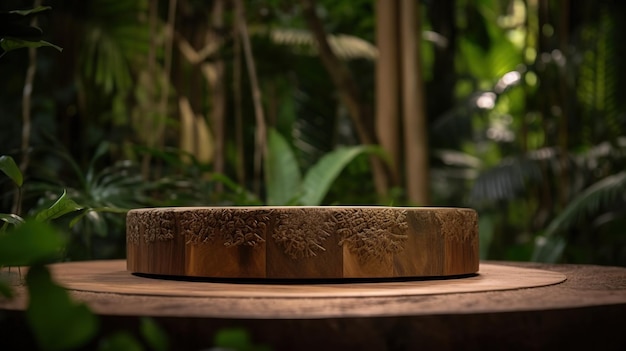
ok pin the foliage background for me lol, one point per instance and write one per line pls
(151, 103)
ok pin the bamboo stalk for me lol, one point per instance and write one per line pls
(414, 115)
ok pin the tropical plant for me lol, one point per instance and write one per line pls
(57, 322)
(520, 97)
(285, 184)
(105, 196)
(55, 319)
(546, 150)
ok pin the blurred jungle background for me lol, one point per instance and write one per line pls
(513, 107)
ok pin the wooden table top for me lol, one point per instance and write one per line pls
(499, 287)
(585, 311)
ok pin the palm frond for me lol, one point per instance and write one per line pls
(455, 165)
(598, 78)
(346, 47)
(514, 175)
(599, 196)
(113, 39)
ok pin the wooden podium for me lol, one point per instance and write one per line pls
(303, 242)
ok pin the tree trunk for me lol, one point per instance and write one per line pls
(348, 92)
(240, 166)
(414, 116)
(217, 87)
(163, 109)
(149, 122)
(388, 83)
(261, 129)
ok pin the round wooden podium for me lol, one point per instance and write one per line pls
(317, 242)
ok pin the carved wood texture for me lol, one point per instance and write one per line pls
(302, 242)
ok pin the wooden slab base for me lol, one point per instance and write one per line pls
(302, 242)
(583, 312)
(110, 277)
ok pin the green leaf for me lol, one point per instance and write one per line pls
(244, 196)
(232, 338)
(11, 24)
(32, 11)
(154, 335)
(282, 175)
(78, 218)
(29, 243)
(11, 218)
(9, 44)
(57, 322)
(120, 341)
(102, 149)
(10, 168)
(593, 199)
(62, 206)
(236, 339)
(320, 177)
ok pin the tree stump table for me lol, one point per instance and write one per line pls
(496, 305)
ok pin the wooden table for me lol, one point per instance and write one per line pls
(506, 306)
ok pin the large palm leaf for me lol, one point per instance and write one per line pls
(113, 44)
(608, 194)
(515, 175)
(605, 194)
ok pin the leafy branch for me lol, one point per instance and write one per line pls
(16, 34)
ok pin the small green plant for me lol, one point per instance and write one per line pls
(57, 321)
(105, 193)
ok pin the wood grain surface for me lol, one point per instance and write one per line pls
(583, 312)
(111, 277)
(302, 242)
